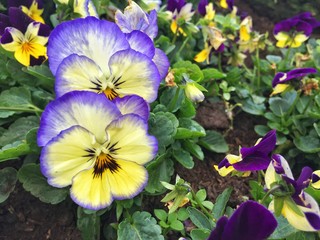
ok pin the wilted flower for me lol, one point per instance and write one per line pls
(294, 31)
(89, 144)
(26, 45)
(278, 82)
(250, 159)
(250, 221)
(95, 55)
(290, 199)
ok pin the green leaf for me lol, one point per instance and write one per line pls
(187, 109)
(43, 73)
(35, 183)
(161, 214)
(200, 234)
(142, 226)
(159, 170)
(186, 67)
(257, 190)
(279, 106)
(184, 158)
(214, 141)
(88, 224)
(189, 128)
(221, 203)
(283, 230)
(19, 129)
(193, 148)
(210, 74)
(172, 98)
(308, 144)
(201, 195)
(303, 236)
(261, 129)
(183, 214)
(273, 58)
(176, 225)
(199, 219)
(14, 150)
(8, 179)
(249, 106)
(163, 126)
(278, 205)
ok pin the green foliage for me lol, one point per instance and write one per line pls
(8, 178)
(141, 226)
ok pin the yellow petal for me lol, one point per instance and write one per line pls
(224, 171)
(66, 156)
(128, 181)
(203, 55)
(91, 192)
(22, 56)
(279, 88)
(223, 4)
(232, 159)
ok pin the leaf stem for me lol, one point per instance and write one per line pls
(204, 210)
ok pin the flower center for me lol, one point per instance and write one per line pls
(110, 93)
(26, 47)
(103, 162)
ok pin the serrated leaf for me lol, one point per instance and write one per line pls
(221, 203)
(303, 236)
(283, 230)
(142, 226)
(35, 183)
(15, 97)
(88, 224)
(199, 219)
(214, 141)
(8, 179)
(160, 123)
(189, 128)
(161, 170)
(19, 129)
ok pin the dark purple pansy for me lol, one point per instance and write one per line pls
(251, 221)
(202, 7)
(297, 73)
(303, 22)
(27, 3)
(230, 4)
(173, 5)
(257, 157)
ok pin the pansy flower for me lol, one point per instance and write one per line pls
(294, 31)
(173, 5)
(134, 18)
(250, 221)
(28, 45)
(89, 144)
(298, 207)
(280, 79)
(206, 10)
(32, 8)
(214, 42)
(250, 159)
(95, 55)
(82, 7)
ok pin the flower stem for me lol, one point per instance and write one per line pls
(258, 69)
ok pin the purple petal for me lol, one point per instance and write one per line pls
(140, 42)
(313, 219)
(133, 104)
(230, 4)
(89, 110)
(217, 233)
(4, 22)
(251, 221)
(6, 37)
(173, 5)
(202, 7)
(152, 29)
(90, 37)
(44, 30)
(162, 62)
(307, 17)
(304, 27)
(19, 19)
(254, 162)
(224, 163)
(295, 73)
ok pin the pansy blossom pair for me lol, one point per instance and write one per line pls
(95, 134)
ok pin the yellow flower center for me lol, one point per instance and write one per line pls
(110, 93)
(26, 47)
(103, 162)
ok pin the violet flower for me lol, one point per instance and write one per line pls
(250, 221)
(250, 159)
(292, 32)
(301, 209)
(297, 73)
(202, 7)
